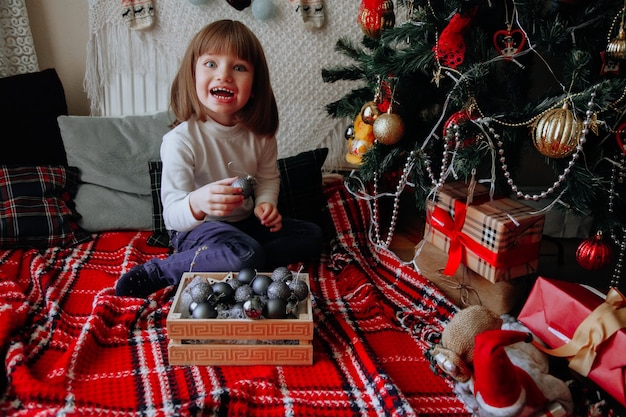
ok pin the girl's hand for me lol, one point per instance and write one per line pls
(269, 216)
(215, 199)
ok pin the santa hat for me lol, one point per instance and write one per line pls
(499, 386)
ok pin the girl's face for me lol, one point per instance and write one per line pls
(223, 85)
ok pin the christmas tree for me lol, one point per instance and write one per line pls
(468, 89)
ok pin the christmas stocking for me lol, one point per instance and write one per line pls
(312, 12)
(239, 4)
(138, 14)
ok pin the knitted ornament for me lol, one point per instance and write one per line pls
(239, 4)
(450, 49)
(502, 388)
(311, 12)
(138, 14)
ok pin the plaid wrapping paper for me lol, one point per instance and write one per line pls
(498, 238)
(73, 348)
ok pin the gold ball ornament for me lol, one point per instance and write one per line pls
(369, 112)
(556, 133)
(617, 47)
(388, 128)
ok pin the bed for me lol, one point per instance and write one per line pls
(75, 216)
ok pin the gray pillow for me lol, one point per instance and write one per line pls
(112, 154)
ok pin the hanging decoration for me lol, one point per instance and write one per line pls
(594, 253)
(388, 127)
(458, 119)
(610, 65)
(263, 9)
(138, 14)
(311, 12)
(509, 42)
(376, 16)
(616, 47)
(556, 134)
(360, 136)
(239, 4)
(450, 48)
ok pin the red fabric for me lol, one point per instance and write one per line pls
(73, 348)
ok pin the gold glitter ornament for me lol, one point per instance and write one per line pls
(617, 47)
(369, 112)
(557, 132)
(388, 128)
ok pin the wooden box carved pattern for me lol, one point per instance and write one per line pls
(238, 341)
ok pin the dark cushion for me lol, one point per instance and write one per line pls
(30, 105)
(36, 207)
(300, 197)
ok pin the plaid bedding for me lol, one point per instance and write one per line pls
(71, 347)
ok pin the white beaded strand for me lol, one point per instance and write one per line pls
(445, 159)
(406, 171)
(561, 178)
(617, 176)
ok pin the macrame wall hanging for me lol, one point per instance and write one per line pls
(298, 37)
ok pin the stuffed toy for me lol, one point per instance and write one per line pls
(497, 372)
(361, 142)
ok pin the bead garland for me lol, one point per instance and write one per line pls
(396, 203)
(561, 178)
(445, 160)
(617, 177)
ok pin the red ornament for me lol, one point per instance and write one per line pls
(509, 42)
(459, 118)
(450, 49)
(375, 16)
(594, 253)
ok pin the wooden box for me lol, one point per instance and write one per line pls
(238, 341)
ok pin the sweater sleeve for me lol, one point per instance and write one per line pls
(267, 176)
(177, 182)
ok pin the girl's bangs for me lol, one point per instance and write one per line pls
(227, 42)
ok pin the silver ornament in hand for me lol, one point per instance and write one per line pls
(246, 184)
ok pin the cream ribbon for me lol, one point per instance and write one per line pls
(599, 326)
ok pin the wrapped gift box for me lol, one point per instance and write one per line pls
(497, 238)
(555, 310)
(466, 287)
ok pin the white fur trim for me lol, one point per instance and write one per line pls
(511, 410)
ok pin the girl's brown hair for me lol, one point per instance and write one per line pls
(260, 114)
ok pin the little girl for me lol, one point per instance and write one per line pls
(227, 119)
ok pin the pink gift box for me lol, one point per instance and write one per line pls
(554, 311)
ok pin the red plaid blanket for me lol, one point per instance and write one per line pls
(71, 347)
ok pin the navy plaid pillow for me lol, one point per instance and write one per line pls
(160, 237)
(36, 207)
